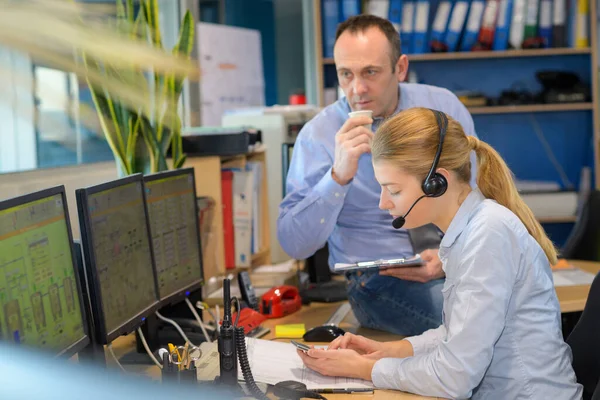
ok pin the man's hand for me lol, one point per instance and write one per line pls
(351, 141)
(342, 362)
(431, 269)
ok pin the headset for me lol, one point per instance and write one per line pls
(434, 184)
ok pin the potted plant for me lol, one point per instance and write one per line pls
(135, 83)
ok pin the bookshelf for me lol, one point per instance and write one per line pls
(208, 183)
(518, 132)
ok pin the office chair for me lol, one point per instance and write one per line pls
(585, 346)
(583, 242)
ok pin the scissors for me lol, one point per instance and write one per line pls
(183, 356)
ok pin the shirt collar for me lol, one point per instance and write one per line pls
(462, 217)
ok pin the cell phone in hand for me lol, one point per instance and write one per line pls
(301, 346)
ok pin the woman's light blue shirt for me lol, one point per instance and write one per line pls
(501, 333)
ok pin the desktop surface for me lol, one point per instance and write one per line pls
(122, 254)
(40, 305)
(174, 229)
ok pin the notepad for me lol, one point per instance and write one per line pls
(292, 331)
(273, 362)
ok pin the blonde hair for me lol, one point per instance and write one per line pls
(410, 139)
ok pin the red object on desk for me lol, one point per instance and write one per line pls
(280, 301)
(249, 319)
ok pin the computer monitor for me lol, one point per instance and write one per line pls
(41, 303)
(118, 257)
(173, 215)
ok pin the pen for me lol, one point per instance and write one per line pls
(345, 391)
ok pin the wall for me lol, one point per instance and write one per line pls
(289, 48)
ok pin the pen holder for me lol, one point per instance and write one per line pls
(172, 373)
(184, 376)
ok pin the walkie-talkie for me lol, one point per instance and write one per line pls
(247, 291)
(226, 345)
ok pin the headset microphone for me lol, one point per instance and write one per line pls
(398, 222)
(434, 184)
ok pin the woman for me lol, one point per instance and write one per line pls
(501, 334)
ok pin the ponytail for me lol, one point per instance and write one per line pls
(495, 181)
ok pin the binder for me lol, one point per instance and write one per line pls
(257, 174)
(582, 34)
(545, 24)
(379, 8)
(517, 27)
(502, 26)
(456, 25)
(559, 21)
(395, 17)
(408, 14)
(227, 215)
(420, 27)
(473, 25)
(349, 8)
(330, 20)
(243, 182)
(488, 25)
(440, 24)
(531, 19)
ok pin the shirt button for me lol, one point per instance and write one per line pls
(322, 220)
(337, 194)
(358, 273)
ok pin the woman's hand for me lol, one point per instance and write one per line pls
(360, 344)
(340, 362)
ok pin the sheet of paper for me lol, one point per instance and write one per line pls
(283, 267)
(272, 362)
(572, 277)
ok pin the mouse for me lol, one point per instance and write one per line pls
(323, 333)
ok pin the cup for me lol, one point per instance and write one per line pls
(366, 113)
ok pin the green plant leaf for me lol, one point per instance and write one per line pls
(130, 11)
(152, 18)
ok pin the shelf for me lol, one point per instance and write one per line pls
(557, 220)
(470, 55)
(531, 108)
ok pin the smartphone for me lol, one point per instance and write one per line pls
(301, 346)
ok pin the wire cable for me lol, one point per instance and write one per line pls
(191, 306)
(143, 339)
(114, 356)
(548, 149)
(176, 325)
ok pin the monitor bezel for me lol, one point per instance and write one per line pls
(181, 294)
(82, 343)
(103, 336)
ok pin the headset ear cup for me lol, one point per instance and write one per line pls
(435, 186)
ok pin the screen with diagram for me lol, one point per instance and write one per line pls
(122, 253)
(39, 298)
(174, 228)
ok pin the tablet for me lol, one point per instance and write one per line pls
(413, 261)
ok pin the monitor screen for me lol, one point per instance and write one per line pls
(173, 214)
(40, 296)
(118, 255)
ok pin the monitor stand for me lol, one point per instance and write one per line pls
(322, 288)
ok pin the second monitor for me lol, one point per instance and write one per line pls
(173, 215)
(118, 256)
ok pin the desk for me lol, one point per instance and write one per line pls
(573, 298)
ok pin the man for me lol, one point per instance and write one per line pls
(333, 195)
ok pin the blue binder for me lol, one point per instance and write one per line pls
(473, 25)
(331, 19)
(503, 26)
(420, 27)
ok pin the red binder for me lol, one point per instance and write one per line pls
(228, 230)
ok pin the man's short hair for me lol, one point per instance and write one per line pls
(362, 22)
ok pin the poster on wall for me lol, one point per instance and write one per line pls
(231, 70)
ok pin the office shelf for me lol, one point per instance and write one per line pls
(534, 108)
(471, 55)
